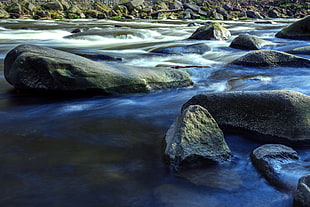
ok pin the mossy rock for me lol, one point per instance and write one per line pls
(271, 58)
(36, 68)
(297, 30)
(211, 31)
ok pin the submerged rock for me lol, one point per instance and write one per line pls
(297, 30)
(247, 42)
(283, 116)
(271, 58)
(195, 138)
(302, 195)
(211, 31)
(300, 50)
(269, 159)
(31, 67)
(195, 48)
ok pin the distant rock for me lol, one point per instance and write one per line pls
(271, 58)
(297, 30)
(194, 138)
(302, 195)
(36, 68)
(300, 50)
(268, 159)
(211, 31)
(282, 116)
(195, 48)
(247, 42)
(254, 14)
(4, 14)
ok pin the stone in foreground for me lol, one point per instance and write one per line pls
(297, 30)
(211, 31)
(271, 58)
(247, 42)
(283, 116)
(300, 50)
(302, 195)
(268, 159)
(194, 139)
(31, 67)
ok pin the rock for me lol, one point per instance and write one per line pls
(15, 10)
(280, 115)
(211, 31)
(30, 67)
(271, 58)
(105, 33)
(4, 14)
(300, 50)
(194, 139)
(195, 48)
(193, 7)
(273, 13)
(247, 42)
(269, 159)
(53, 5)
(297, 30)
(132, 4)
(302, 195)
(75, 12)
(253, 14)
(98, 57)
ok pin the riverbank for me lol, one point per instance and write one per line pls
(150, 9)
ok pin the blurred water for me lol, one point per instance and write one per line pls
(106, 151)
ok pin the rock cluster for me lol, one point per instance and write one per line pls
(128, 9)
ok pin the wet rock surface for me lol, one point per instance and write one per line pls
(280, 114)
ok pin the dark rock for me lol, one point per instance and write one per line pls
(29, 67)
(302, 195)
(77, 30)
(190, 14)
(194, 138)
(253, 14)
(268, 159)
(247, 42)
(271, 58)
(273, 13)
(105, 33)
(281, 116)
(196, 48)
(14, 8)
(222, 11)
(211, 31)
(97, 57)
(297, 30)
(175, 5)
(300, 50)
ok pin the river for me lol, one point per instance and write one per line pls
(106, 151)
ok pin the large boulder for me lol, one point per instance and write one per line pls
(302, 195)
(211, 31)
(300, 50)
(297, 30)
(247, 42)
(41, 68)
(195, 48)
(283, 116)
(271, 58)
(271, 160)
(194, 138)
(53, 5)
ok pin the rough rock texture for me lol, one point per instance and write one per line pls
(247, 42)
(271, 58)
(211, 31)
(195, 138)
(300, 50)
(270, 158)
(196, 48)
(284, 115)
(4, 14)
(42, 68)
(302, 195)
(297, 30)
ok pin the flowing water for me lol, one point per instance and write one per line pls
(106, 151)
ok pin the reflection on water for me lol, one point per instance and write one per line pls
(106, 151)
